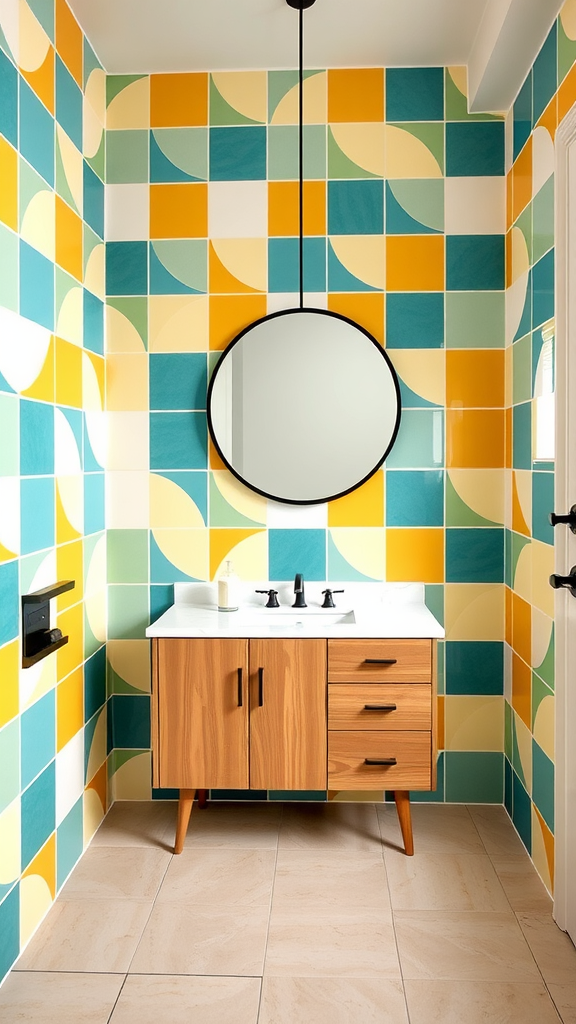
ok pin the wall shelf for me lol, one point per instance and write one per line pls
(37, 641)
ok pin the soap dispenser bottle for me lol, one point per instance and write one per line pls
(228, 589)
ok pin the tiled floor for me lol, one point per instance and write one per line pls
(298, 914)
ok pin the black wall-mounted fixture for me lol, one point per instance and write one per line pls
(38, 640)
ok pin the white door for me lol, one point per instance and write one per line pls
(565, 540)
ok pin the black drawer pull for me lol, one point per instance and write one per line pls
(260, 687)
(379, 707)
(380, 760)
(240, 700)
(380, 661)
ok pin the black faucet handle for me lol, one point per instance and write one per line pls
(328, 600)
(272, 601)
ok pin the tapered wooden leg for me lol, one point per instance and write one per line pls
(202, 798)
(184, 810)
(402, 799)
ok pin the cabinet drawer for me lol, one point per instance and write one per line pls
(365, 661)
(380, 706)
(347, 752)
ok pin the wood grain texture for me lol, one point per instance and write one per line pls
(203, 734)
(346, 661)
(413, 706)
(402, 800)
(434, 753)
(347, 751)
(154, 714)
(288, 733)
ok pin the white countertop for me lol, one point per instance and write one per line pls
(380, 610)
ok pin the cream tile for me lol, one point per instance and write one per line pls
(462, 947)
(92, 935)
(564, 997)
(332, 1001)
(346, 944)
(138, 823)
(112, 873)
(330, 879)
(496, 830)
(525, 891)
(438, 828)
(478, 1002)
(183, 939)
(39, 998)
(252, 826)
(444, 881)
(335, 826)
(552, 949)
(227, 877)
(185, 1000)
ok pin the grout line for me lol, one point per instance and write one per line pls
(392, 915)
(121, 989)
(152, 905)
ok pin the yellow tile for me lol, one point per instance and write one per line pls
(362, 507)
(68, 374)
(543, 849)
(522, 181)
(41, 79)
(69, 707)
(365, 309)
(178, 323)
(127, 382)
(363, 548)
(70, 566)
(522, 690)
(179, 211)
(130, 659)
(9, 681)
(475, 438)
(71, 622)
(43, 386)
(474, 611)
(284, 208)
(474, 378)
(178, 100)
(238, 265)
(8, 185)
(130, 108)
(415, 555)
(474, 723)
(414, 263)
(68, 239)
(69, 40)
(244, 91)
(222, 542)
(230, 314)
(356, 94)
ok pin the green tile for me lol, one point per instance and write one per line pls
(543, 784)
(539, 691)
(522, 370)
(135, 309)
(91, 240)
(518, 543)
(429, 133)
(9, 432)
(457, 104)
(62, 186)
(10, 761)
(126, 156)
(475, 777)
(340, 165)
(127, 612)
(566, 52)
(64, 283)
(543, 220)
(475, 319)
(434, 598)
(508, 726)
(222, 112)
(458, 513)
(546, 668)
(420, 441)
(283, 152)
(8, 269)
(524, 223)
(127, 554)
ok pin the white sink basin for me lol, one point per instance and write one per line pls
(304, 617)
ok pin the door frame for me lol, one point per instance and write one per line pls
(565, 697)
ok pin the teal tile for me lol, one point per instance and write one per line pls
(238, 153)
(474, 555)
(94, 502)
(37, 514)
(543, 220)
(178, 440)
(475, 777)
(8, 100)
(69, 842)
(543, 289)
(36, 286)
(178, 380)
(94, 683)
(10, 761)
(522, 812)
(36, 133)
(475, 667)
(414, 94)
(178, 154)
(543, 784)
(475, 149)
(522, 370)
(542, 505)
(340, 279)
(474, 262)
(284, 264)
(299, 795)
(545, 75)
(292, 551)
(414, 207)
(179, 266)
(36, 438)
(126, 157)
(420, 440)
(127, 612)
(9, 432)
(37, 737)
(433, 796)
(9, 930)
(414, 320)
(38, 813)
(522, 116)
(355, 208)
(128, 722)
(69, 104)
(127, 556)
(9, 270)
(126, 268)
(415, 498)
(522, 436)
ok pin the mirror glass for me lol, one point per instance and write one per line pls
(303, 406)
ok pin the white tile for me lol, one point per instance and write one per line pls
(127, 501)
(69, 776)
(238, 209)
(296, 517)
(128, 440)
(277, 301)
(10, 513)
(475, 206)
(127, 213)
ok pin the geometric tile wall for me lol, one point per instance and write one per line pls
(404, 232)
(52, 454)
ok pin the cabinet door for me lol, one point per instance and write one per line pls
(288, 714)
(202, 733)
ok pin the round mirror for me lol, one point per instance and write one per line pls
(303, 406)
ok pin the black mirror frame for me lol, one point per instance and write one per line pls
(274, 316)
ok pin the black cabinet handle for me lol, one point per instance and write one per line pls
(260, 687)
(240, 699)
(569, 519)
(379, 707)
(557, 581)
(380, 760)
(380, 661)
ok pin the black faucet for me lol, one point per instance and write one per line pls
(299, 591)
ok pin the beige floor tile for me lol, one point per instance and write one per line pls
(252, 826)
(183, 939)
(330, 879)
(437, 828)
(110, 872)
(444, 881)
(332, 944)
(462, 947)
(478, 1002)
(496, 830)
(207, 876)
(59, 998)
(138, 823)
(564, 997)
(87, 935)
(334, 826)
(332, 1001)
(553, 951)
(522, 885)
(187, 1000)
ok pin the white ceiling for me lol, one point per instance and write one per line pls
(142, 36)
